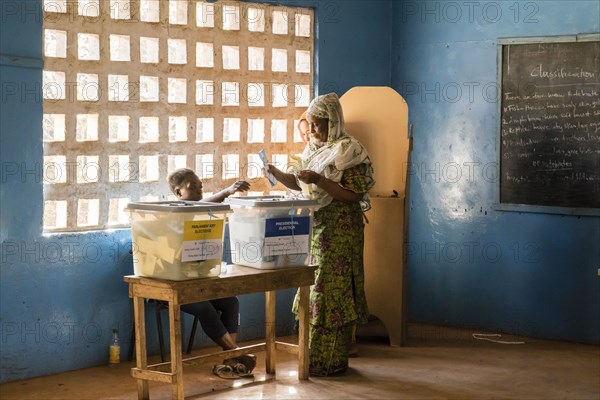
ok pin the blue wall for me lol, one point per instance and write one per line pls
(472, 266)
(60, 296)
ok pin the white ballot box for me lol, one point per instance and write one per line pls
(177, 240)
(270, 231)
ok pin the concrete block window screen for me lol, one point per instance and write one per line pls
(134, 89)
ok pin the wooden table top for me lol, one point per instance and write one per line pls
(238, 280)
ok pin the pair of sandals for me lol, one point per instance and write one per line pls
(237, 367)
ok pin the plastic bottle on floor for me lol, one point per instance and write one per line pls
(115, 349)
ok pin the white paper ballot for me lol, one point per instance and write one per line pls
(270, 177)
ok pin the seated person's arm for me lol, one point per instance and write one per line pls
(238, 186)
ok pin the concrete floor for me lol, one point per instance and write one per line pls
(437, 363)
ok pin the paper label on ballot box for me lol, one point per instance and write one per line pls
(286, 236)
(202, 240)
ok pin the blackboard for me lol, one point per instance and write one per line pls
(549, 146)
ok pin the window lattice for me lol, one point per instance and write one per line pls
(134, 89)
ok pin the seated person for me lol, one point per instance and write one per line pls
(222, 329)
(186, 185)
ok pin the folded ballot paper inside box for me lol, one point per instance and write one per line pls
(177, 240)
(269, 232)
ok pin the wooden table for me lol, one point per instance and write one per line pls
(238, 280)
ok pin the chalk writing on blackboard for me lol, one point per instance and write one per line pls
(550, 124)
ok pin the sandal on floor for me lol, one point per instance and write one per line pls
(247, 360)
(242, 371)
(224, 371)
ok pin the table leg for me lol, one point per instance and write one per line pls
(270, 331)
(303, 320)
(176, 356)
(141, 358)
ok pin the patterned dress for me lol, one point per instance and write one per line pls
(337, 299)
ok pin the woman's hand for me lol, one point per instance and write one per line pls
(270, 168)
(238, 186)
(334, 189)
(308, 176)
(288, 180)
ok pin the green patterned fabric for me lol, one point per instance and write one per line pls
(357, 179)
(329, 346)
(337, 299)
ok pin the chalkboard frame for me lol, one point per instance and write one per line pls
(587, 37)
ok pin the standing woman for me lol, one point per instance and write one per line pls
(336, 170)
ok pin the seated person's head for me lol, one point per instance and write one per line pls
(303, 127)
(185, 184)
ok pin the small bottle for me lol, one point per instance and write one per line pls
(115, 349)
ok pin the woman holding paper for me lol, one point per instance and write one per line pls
(336, 170)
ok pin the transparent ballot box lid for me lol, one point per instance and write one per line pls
(271, 201)
(179, 206)
(177, 240)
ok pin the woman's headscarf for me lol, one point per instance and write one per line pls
(341, 151)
